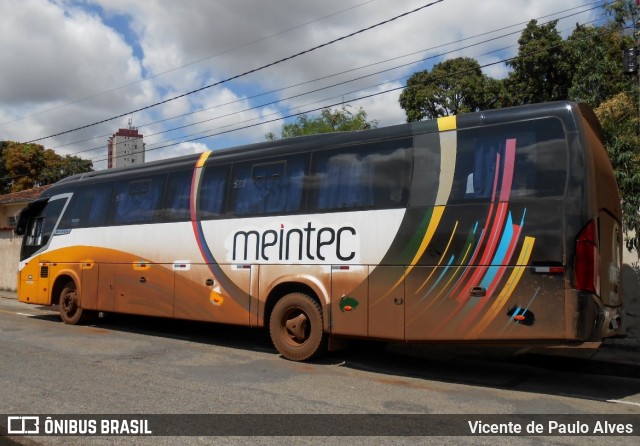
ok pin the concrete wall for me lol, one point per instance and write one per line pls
(9, 257)
(9, 210)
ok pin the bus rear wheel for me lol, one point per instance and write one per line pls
(296, 327)
(70, 311)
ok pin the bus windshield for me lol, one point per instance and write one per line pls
(38, 222)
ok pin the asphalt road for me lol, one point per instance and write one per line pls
(135, 365)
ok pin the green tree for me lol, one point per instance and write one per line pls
(542, 71)
(58, 167)
(30, 165)
(595, 53)
(587, 67)
(623, 12)
(339, 120)
(452, 87)
(24, 162)
(5, 179)
(619, 118)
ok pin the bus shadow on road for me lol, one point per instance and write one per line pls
(501, 368)
(494, 367)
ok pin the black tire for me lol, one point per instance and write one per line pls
(70, 311)
(296, 327)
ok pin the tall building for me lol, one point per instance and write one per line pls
(126, 147)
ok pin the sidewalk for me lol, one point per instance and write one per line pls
(611, 353)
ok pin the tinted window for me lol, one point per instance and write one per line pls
(375, 176)
(536, 168)
(268, 187)
(138, 201)
(89, 207)
(213, 187)
(178, 195)
(41, 225)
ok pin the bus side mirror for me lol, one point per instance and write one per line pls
(21, 223)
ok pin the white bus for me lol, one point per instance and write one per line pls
(501, 226)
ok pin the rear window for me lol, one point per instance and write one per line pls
(524, 159)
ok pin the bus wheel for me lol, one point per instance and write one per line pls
(296, 327)
(70, 312)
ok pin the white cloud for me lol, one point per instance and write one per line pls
(59, 51)
(53, 56)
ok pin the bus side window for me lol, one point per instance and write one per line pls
(89, 207)
(539, 168)
(138, 201)
(541, 161)
(375, 176)
(178, 195)
(34, 234)
(268, 187)
(212, 191)
(488, 157)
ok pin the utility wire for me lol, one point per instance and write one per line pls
(368, 96)
(341, 102)
(334, 85)
(271, 64)
(194, 62)
(292, 115)
(334, 75)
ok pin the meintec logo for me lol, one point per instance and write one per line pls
(305, 243)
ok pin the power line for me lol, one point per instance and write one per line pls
(271, 64)
(368, 96)
(340, 73)
(563, 43)
(339, 103)
(111, 90)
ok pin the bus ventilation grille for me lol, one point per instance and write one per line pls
(44, 272)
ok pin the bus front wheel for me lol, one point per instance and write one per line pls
(296, 327)
(70, 311)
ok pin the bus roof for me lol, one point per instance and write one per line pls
(563, 109)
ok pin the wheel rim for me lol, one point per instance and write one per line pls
(295, 327)
(69, 303)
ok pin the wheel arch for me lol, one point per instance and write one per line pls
(60, 281)
(287, 287)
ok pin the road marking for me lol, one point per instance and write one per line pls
(16, 312)
(623, 402)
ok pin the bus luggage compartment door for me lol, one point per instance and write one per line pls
(387, 303)
(144, 288)
(106, 286)
(349, 299)
(202, 295)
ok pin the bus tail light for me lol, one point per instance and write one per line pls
(587, 260)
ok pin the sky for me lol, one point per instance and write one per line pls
(82, 69)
